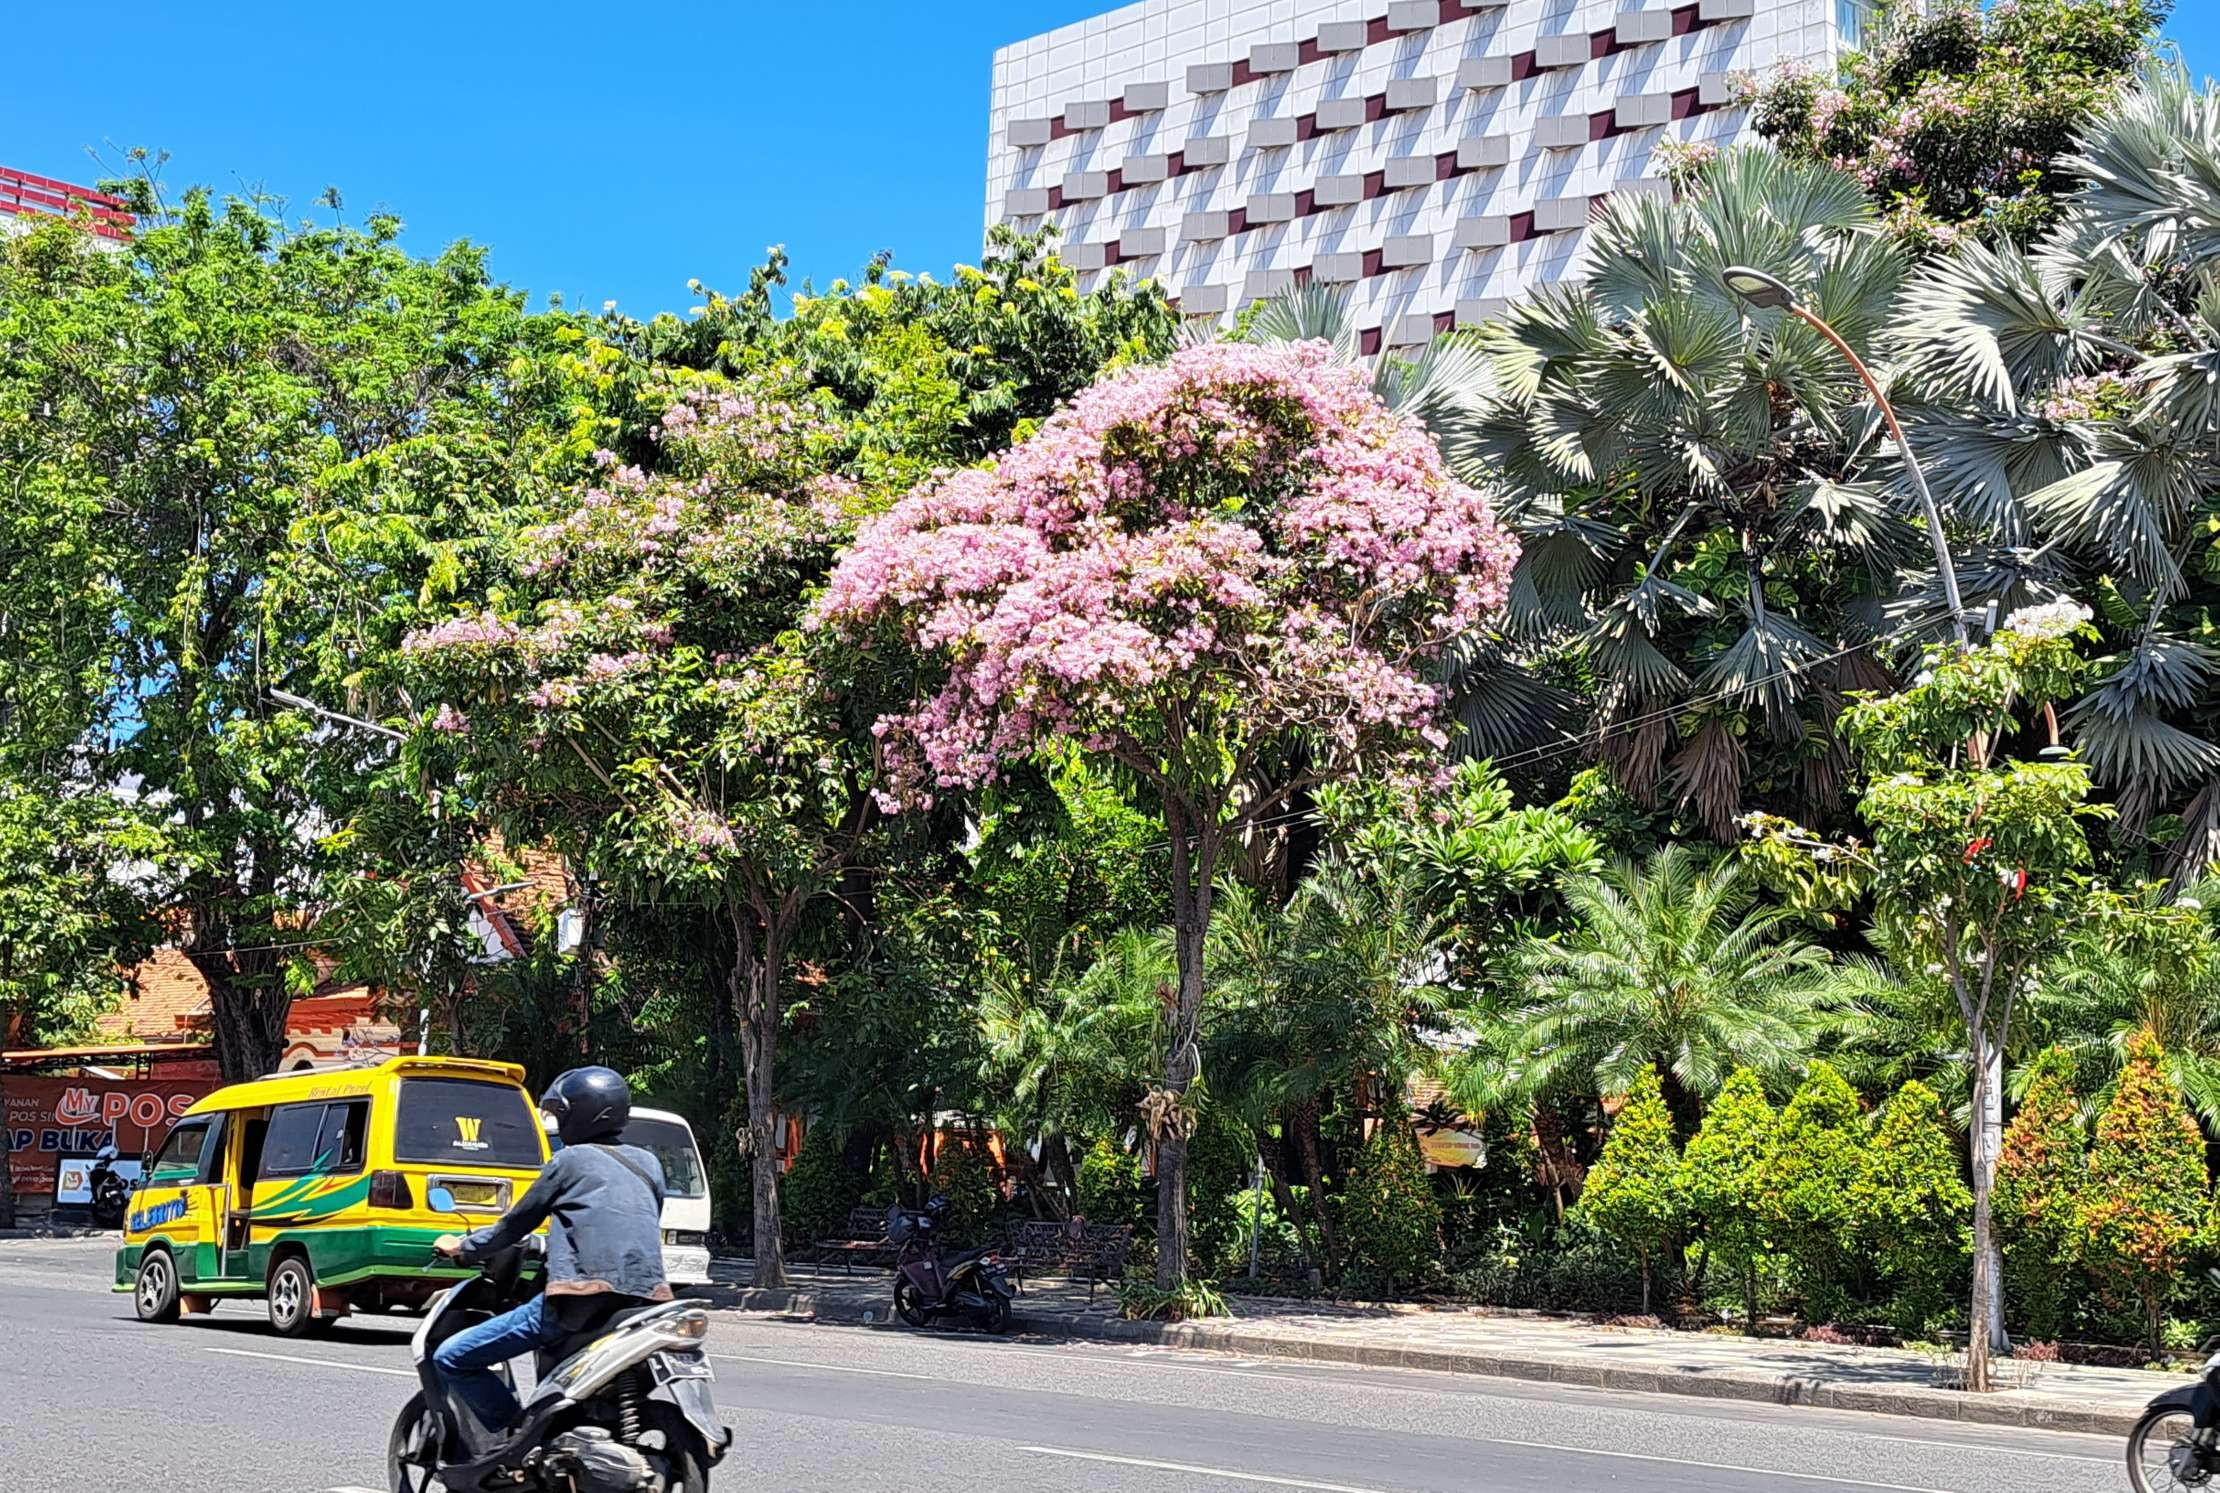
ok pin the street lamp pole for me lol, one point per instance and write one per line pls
(1767, 292)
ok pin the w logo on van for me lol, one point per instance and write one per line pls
(466, 1133)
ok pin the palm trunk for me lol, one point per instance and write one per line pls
(1304, 1122)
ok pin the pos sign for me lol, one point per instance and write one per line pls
(52, 1118)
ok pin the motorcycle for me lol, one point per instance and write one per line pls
(623, 1407)
(2165, 1451)
(111, 1194)
(929, 1284)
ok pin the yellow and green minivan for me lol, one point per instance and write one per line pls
(311, 1190)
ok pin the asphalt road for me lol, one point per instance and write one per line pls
(96, 1401)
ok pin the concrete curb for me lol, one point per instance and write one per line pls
(2030, 1409)
(58, 1232)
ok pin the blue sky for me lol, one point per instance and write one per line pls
(602, 151)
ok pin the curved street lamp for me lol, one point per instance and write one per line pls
(1763, 292)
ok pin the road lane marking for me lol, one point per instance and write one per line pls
(1193, 1471)
(321, 1363)
(834, 1368)
(1806, 1477)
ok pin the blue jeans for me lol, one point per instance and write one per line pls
(466, 1361)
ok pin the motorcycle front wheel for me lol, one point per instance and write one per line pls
(412, 1453)
(909, 1303)
(2159, 1453)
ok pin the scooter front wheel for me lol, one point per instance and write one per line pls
(412, 1455)
(909, 1303)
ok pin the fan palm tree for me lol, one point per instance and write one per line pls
(1710, 519)
(1673, 964)
(2073, 409)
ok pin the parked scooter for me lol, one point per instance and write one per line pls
(930, 1284)
(111, 1194)
(623, 1408)
(2165, 1452)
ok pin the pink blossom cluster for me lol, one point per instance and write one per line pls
(1243, 524)
(483, 631)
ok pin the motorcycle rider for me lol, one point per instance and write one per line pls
(604, 1248)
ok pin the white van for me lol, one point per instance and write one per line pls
(685, 1191)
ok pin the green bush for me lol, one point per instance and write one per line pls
(2040, 1175)
(1219, 1163)
(1110, 1189)
(1633, 1193)
(818, 1191)
(1390, 1223)
(1726, 1165)
(960, 1174)
(1810, 1183)
(1552, 1267)
(1912, 1206)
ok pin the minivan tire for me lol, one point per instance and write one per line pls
(154, 1294)
(292, 1297)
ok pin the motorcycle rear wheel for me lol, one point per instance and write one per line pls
(996, 1318)
(412, 1452)
(909, 1304)
(2150, 1450)
(689, 1473)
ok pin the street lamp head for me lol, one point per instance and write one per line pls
(1757, 288)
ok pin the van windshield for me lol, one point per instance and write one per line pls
(672, 1145)
(461, 1122)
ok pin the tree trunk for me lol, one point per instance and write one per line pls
(1984, 1243)
(1193, 866)
(249, 1025)
(1302, 1122)
(1749, 1295)
(1991, 1147)
(1645, 1284)
(755, 991)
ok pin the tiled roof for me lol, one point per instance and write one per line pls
(167, 1001)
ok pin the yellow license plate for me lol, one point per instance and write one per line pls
(476, 1194)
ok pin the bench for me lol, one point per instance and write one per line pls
(863, 1234)
(1076, 1249)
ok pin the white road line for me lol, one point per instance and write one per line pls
(834, 1368)
(321, 1363)
(1806, 1477)
(1193, 1471)
(354, 1490)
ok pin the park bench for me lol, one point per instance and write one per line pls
(1076, 1249)
(863, 1234)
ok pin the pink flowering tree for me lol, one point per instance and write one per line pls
(643, 696)
(1227, 575)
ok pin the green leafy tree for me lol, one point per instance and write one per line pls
(1978, 866)
(1110, 1190)
(1673, 964)
(1726, 1167)
(2041, 1175)
(818, 1192)
(1955, 117)
(2148, 1198)
(1389, 1213)
(1912, 1205)
(1634, 1192)
(1811, 1191)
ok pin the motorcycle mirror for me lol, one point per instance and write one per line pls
(441, 1200)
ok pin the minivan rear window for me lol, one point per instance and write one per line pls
(461, 1122)
(673, 1146)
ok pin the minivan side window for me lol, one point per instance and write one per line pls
(179, 1159)
(339, 1140)
(212, 1150)
(289, 1146)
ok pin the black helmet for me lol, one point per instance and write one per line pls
(589, 1104)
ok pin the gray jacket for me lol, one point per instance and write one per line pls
(607, 1223)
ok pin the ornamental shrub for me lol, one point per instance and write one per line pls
(1110, 1186)
(961, 1175)
(1724, 1180)
(2148, 1195)
(1912, 1206)
(1633, 1194)
(818, 1191)
(1810, 1188)
(1390, 1220)
(2040, 1174)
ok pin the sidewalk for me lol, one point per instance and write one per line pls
(2062, 1397)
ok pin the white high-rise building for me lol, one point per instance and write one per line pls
(1436, 157)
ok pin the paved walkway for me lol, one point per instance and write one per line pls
(2061, 1397)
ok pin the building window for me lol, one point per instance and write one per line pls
(1850, 23)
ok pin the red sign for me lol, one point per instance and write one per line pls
(52, 1118)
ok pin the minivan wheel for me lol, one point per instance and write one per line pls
(292, 1298)
(155, 1294)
